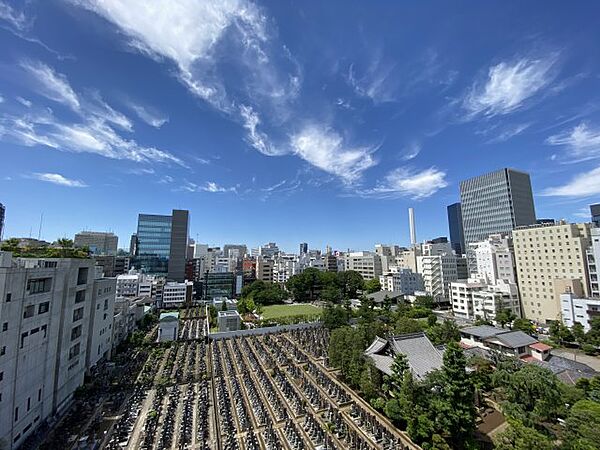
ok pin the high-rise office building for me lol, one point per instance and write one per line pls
(303, 248)
(496, 202)
(133, 245)
(2, 213)
(594, 210)
(455, 226)
(162, 244)
(99, 243)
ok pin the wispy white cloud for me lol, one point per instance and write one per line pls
(508, 132)
(94, 136)
(56, 178)
(17, 19)
(209, 186)
(581, 143)
(166, 179)
(411, 151)
(255, 138)
(51, 84)
(325, 148)
(24, 102)
(509, 85)
(150, 115)
(581, 185)
(404, 182)
(376, 82)
(141, 171)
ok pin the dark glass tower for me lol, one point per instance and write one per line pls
(594, 210)
(457, 237)
(161, 244)
(2, 211)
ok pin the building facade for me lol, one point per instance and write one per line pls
(99, 243)
(162, 244)
(455, 228)
(404, 281)
(548, 257)
(438, 272)
(577, 309)
(496, 202)
(368, 264)
(495, 259)
(47, 327)
(2, 215)
(477, 299)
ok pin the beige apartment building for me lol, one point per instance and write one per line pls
(548, 258)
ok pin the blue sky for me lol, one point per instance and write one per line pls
(291, 121)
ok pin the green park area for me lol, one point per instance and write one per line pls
(279, 311)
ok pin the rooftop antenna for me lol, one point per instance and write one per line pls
(40, 229)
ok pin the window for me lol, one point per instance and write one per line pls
(3, 350)
(39, 394)
(8, 297)
(80, 296)
(16, 413)
(43, 307)
(5, 326)
(77, 314)
(74, 351)
(23, 336)
(29, 311)
(82, 276)
(1, 376)
(105, 304)
(75, 332)
(45, 329)
(38, 285)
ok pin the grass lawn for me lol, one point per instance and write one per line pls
(278, 311)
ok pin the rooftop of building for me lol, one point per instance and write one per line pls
(380, 296)
(169, 316)
(421, 354)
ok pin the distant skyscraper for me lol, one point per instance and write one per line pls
(180, 225)
(594, 209)
(99, 243)
(2, 212)
(303, 248)
(133, 245)
(455, 226)
(162, 244)
(496, 202)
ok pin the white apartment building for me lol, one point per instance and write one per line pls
(99, 343)
(476, 298)
(593, 261)
(176, 294)
(548, 257)
(495, 260)
(284, 268)
(368, 264)
(438, 272)
(47, 325)
(404, 281)
(576, 309)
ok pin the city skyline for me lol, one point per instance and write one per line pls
(283, 114)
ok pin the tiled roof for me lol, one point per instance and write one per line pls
(515, 339)
(482, 331)
(379, 297)
(421, 355)
(540, 347)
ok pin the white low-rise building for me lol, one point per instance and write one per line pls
(438, 272)
(228, 320)
(404, 281)
(577, 309)
(176, 294)
(475, 298)
(368, 264)
(168, 326)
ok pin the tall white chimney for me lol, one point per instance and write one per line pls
(411, 221)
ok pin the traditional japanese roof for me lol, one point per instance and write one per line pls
(379, 297)
(421, 355)
(482, 331)
(514, 339)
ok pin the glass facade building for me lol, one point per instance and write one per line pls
(455, 226)
(594, 209)
(153, 244)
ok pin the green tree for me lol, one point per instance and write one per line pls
(431, 320)
(582, 428)
(331, 294)
(372, 286)
(593, 335)
(456, 410)
(424, 301)
(578, 333)
(523, 325)
(532, 393)
(505, 316)
(519, 437)
(405, 325)
(350, 282)
(335, 316)
(444, 332)
(560, 333)
(10, 245)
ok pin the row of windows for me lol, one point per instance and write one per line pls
(30, 310)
